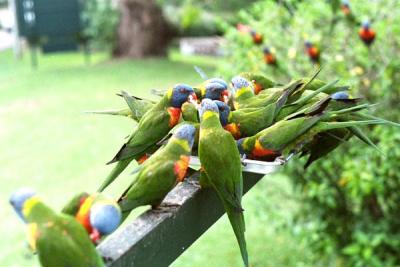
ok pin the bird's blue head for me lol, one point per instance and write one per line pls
(341, 95)
(207, 105)
(216, 91)
(308, 44)
(239, 82)
(218, 80)
(346, 3)
(239, 144)
(187, 132)
(266, 50)
(180, 94)
(224, 111)
(18, 199)
(366, 24)
(105, 217)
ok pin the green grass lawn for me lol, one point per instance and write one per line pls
(48, 143)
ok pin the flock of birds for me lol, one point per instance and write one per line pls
(253, 117)
(366, 34)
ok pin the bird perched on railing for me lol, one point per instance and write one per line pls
(256, 36)
(153, 126)
(222, 169)
(57, 238)
(161, 172)
(367, 35)
(98, 214)
(312, 51)
(269, 57)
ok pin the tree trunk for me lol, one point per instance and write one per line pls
(142, 31)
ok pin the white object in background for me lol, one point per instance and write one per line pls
(253, 166)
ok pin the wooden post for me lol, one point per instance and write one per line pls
(158, 237)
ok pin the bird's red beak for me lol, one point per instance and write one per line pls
(225, 96)
(192, 97)
(95, 236)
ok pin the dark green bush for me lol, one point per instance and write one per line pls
(350, 200)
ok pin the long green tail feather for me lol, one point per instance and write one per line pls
(237, 221)
(302, 101)
(125, 112)
(363, 137)
(347, 110)
(325, 126)
(118, 169)
(368, 116)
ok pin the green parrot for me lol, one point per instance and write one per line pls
(161, 172)
(99, 215)
(73, 205)
(270, 142)
(222, 168)
(308, 99)
(154, 125)
(137, 107)
(248, 121)
(244, 96)
(214, 88)
(58, 239)
(259, 81)
(189, 112)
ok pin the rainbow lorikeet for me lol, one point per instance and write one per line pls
(189, 112)
(154, 125)
(244, 96)
(161, 172)
(347, 12)
(249, 121)
(269, 57)
(298, 128)
(312, 51)
(58, 238)
(213, 88)
(367, 35)
(222, 168)
(345, 7)
(259, 81)
(255, 36)
(99, 214)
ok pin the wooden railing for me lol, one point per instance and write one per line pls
(158, 237)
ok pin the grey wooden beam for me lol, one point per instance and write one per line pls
(158, 237)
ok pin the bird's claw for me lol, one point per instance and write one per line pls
(242, 158)
(281, 160)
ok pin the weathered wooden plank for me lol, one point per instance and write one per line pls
(158, 237)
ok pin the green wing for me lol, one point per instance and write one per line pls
(152, 184)
(151, 129)
(138, 106)
(65, 243)
(73, 205)
(222, 164)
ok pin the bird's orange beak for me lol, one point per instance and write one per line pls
(193, 98)
(225, 96)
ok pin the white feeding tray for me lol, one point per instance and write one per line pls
(253, 166)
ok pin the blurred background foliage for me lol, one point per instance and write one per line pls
(342, 211)
(349, 200)
(100, 19)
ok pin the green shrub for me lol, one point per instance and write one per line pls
(350, 206)
(100, 19)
